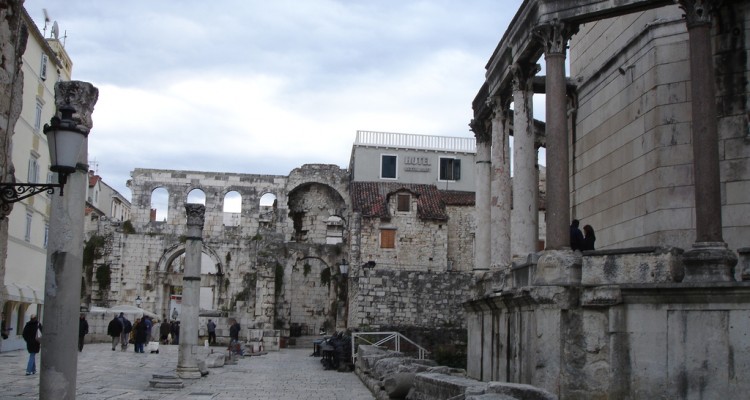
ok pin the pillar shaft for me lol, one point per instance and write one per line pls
(500, 191)
(187, 363)
(705, 133)
(555, 37)
(482, 203)
(62, 289)
(525, 213)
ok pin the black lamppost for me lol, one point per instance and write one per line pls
(64, 137)
(138, 301)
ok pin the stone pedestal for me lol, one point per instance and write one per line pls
(709, 262)
(558, 267)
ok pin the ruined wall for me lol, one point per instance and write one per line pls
(461, 227)
(411, 298)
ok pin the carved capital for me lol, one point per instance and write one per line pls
(523, 74)
(698, 12)
(195, 214)
(480, 130)
(82, 96)
(554, 36)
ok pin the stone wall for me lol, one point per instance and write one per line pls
(461, 228)
(411, 298)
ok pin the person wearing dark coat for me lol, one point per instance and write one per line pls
(31, 335)
(588, 238)
(141, 335)
(83, 330)
(115, 329)
(576, 237)
(164, 329)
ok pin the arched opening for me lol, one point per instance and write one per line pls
(334, 230)
(232, 208)
(208, 289)
(267, 208)
(196, 196)
(159, 205)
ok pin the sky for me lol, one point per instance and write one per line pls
(263, 87)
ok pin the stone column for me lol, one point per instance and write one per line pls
(525, 213)
(62, 287)
(500, 189)
(554, 36)
(709, 260)
(187, 363)
(482, 212)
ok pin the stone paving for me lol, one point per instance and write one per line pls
(288, 374)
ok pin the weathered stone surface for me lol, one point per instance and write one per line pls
(558, 267)
(632, 265)
(398, 385)
(435, 386)
(386, 366)
(519, 391)
(215, 360)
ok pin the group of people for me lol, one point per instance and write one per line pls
(581, 240)
(123, 332)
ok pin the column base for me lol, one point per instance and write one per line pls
(188, 372)
(709, 262)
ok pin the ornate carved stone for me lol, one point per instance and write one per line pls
(82, 96)
(522, 75)
(195, 214)
(698, 12)
(554, 36)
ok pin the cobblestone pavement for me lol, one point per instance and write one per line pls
(288, 374)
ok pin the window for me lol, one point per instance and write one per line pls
(388, 166)
(387, 238)
(29, 219)
(404, 202)
(43, 67)
(450, 169)
(38, 117)
(33, 169)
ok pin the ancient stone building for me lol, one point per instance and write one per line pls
(646, 140)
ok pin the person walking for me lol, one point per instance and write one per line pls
(31, 334)
(127, 327)
(141, 335)
(115, 329)
(234, 337)
(164, 330)
(588, 238)
(83, 330)
(211, 326)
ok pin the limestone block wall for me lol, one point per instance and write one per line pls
(632, 177)
(410, 298)
(461, 227)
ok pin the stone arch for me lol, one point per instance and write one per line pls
(159, 204)
(175, 251)
(310, 205)
(310, 297)
(232, 208)
(196, 196)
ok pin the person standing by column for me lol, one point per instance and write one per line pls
(31, 334)
(211, 326)
(83, 330)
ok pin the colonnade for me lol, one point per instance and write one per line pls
(514, 232)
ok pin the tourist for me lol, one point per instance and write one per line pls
(149, 325)
(115, 329)
(83, 330)
(31, 334)
(211, 332)
(164, 331)
(234, 337)
(175, 332)
(576, 237)
(589, 238)
(141, 334)
(127, 327)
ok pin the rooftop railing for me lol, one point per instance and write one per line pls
(421, 142)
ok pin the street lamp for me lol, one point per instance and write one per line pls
(138, 301)
(344, 267)
(64, 137)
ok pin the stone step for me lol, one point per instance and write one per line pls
(160, 381)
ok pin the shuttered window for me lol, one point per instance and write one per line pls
(387, 238)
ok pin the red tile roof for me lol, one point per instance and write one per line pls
(371, 199)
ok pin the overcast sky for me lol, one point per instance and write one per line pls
(263, 87)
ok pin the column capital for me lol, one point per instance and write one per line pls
(499, 105)
(195, 214)
(554, 36)
(80, 95)
(481, 132)
(698, 12)
(523, 74)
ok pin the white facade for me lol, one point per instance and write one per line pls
(45, 62)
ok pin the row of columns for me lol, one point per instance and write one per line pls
(517, 234)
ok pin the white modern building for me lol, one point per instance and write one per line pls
(45, 62)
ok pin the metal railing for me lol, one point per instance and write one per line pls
(387, 337)
(422, 142)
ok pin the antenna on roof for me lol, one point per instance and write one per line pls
(46, 21)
